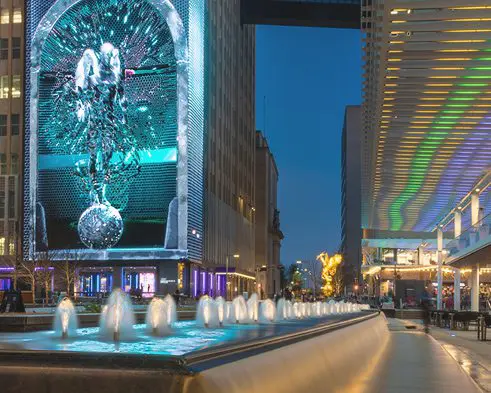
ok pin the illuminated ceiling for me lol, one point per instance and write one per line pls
(427, 109)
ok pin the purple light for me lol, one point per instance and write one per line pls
(195, 288)
(7, 269)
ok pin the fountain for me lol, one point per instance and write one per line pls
(157, 318)
(65, 323)
(171, 309)
(289, 310)
(318, 309)
(238, 311)
(118, 318)
(297, 311)
(221, 308)
(281, 310)
(207, 313)
(267, 311)
(253, 308)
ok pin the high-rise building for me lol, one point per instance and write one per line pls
(268, 232)
(351, 195)
(11, 134)
(114, 139)
(230, 148)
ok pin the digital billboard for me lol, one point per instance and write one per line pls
(115, 111)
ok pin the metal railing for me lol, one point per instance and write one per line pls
(478, 234)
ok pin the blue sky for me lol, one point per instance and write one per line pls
(308, 76)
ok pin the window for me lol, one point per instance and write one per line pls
(3, 164)
(16, 47)
(4, 86)
(3, 125)
(17, 15)
(16, 86)
(4, 48)
(14, 164)
(4, 16)
(11, 204)
(14, 125)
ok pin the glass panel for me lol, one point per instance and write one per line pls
(4, 86)
(16, 86)
(16, 48)
(3, 165)
(17, 15)
(14, 164)
(4, 49)
(15, 124)
(4, 16)
(3, 125)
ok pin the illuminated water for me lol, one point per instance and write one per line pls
(65, 324)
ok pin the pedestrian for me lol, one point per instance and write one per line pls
(176, 296)
(148, 288)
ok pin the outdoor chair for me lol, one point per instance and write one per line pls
(463, 319)
(483, 324)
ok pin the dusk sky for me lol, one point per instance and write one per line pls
(308, 76)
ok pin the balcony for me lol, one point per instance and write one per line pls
(473, 239)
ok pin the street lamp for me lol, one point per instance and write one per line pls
(235, 256)
(299, 262)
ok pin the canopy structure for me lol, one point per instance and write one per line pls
(427, 109)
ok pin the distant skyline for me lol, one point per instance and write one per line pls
(308, 76)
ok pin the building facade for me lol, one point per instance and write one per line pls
(114, 135)
(11, 134)
(351, 195)
(230, 152)
(185, 198)
(426, 150)
(268, 232)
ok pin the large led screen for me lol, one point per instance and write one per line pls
(108, 119)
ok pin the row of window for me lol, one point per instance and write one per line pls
(14, 124)
(14, 164)
(5, 16)
(5, 86)
(4, 48)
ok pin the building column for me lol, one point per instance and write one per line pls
(117, 277)
(421, 251)
(457, 223)
(475, 288)
(474, 208)
(439, 271)
(456, 289)
(167, 277)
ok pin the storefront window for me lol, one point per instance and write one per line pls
(4, 284)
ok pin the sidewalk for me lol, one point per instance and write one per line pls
(473, 356)
(415, 362)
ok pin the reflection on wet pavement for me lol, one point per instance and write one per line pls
(478, 370)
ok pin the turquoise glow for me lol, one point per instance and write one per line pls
(56, 161)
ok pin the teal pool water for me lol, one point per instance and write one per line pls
(186, 337)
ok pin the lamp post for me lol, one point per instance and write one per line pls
(235, 256)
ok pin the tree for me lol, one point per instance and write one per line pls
(66, 266)
(283, 276)
(314, 270)
(36, 271)
(337, 282)
(295, 278)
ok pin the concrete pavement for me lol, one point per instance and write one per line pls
(415, 362)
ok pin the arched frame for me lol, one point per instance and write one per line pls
(168, 12)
